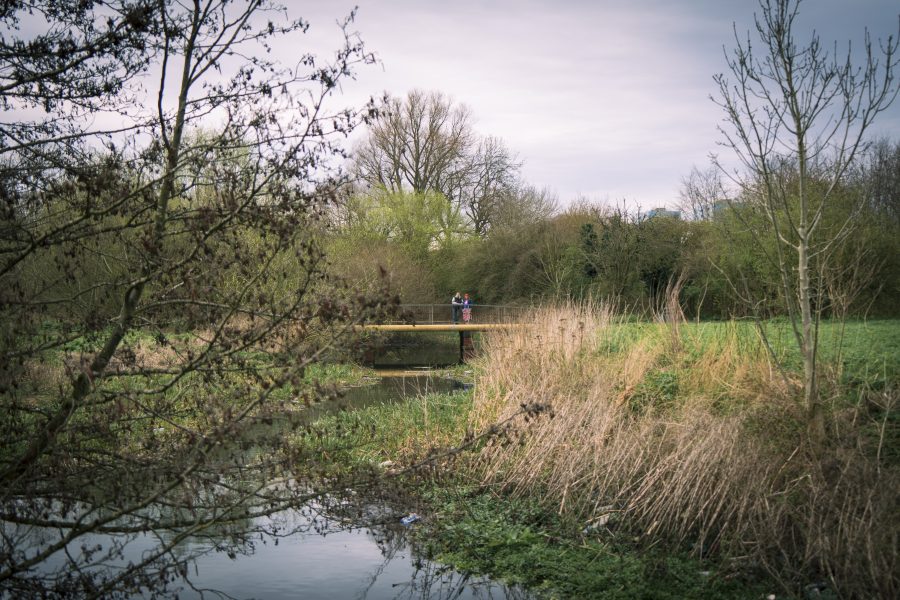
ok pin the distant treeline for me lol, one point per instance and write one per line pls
(470, 223)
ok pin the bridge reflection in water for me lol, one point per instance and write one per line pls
(439, 317)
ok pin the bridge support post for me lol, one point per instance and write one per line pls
(466, 346)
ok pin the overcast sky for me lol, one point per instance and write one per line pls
(607, 99)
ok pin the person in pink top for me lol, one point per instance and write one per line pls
(466, 308)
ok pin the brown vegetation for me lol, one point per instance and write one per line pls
(701, 444)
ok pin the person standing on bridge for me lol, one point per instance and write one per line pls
(466, 309)
(455, 306)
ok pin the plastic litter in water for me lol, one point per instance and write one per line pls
(410, 519)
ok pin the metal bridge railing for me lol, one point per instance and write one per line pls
(435, 314)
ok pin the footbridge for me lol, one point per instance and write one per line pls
(466, 321)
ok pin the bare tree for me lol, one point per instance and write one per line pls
(523, 205)
(798, 117)
(162, 290)
(701, 193)
(425, 143)
(879, 175)
(418, 144)
(491, 178)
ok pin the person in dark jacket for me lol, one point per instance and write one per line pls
(455, 306)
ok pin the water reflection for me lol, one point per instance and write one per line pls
(341, 546)
(316, 556)
(364, 563)
(424, 349)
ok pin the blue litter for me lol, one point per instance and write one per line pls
(410, 519)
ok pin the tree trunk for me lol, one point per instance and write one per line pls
(815, 416)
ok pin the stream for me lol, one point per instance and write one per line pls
(336, 560)
(321, 555)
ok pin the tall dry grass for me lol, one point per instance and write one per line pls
(698, 442)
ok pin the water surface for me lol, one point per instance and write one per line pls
(355, 549)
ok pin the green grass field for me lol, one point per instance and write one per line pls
(862, 352)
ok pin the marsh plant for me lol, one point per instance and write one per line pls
(702, 444)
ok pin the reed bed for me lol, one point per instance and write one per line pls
(697, 442)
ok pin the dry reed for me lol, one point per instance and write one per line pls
(722, 465)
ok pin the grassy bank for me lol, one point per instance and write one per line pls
(661, 443)
(477, 529)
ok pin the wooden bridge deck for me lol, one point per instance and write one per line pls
(491, 318)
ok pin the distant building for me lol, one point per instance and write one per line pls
(663, 212)
(719, 206)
